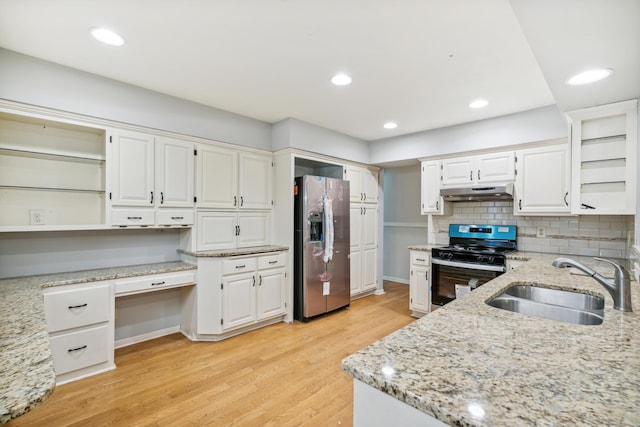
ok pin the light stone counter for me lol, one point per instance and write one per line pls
(235, 252)
(469, 364)
(26, 375)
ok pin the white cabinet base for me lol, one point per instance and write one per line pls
(374, 408)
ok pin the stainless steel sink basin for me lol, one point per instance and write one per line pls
(552, 304)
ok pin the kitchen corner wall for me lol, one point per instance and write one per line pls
(588, 235)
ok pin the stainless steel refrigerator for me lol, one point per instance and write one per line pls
(321, 246)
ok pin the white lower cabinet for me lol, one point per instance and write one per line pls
(419, 284)
(80, 322)
(236, 294)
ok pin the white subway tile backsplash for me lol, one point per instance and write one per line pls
(581, 235)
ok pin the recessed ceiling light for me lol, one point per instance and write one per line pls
(341, 79)
(479, 103)
(390, 125)
(589, 76)
(106, 36)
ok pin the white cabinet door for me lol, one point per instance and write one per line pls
(271, 293)
(369, 269)
(132, 170)
(254, 229)
(370, 186)
(353, 174)
(256, 181)
(431, 202)
(543, 180)
(238, 300)
(495, 167)
(216, 230)
(174, 173)
(458, 170)
(355, 270)
(216, 177)
(369, 227)
(419, 293)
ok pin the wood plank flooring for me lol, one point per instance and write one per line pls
(281, 375)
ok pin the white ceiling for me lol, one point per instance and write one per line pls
(416, 62)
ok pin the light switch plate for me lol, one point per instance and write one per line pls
(36, 216)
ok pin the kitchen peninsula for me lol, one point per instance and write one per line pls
(470, 364)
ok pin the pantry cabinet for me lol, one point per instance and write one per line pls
(151, 174)
(482, 168)
(543, 180)
(431, 203)
(228, 179)
(604, 159)
(80, 322)
(419, 283)
(52, 173)
(363, 184)
(363, 223)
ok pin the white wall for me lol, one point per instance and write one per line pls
(403, 224)
(34, 81)
(23, 254)
(293, 133)
(529, 126)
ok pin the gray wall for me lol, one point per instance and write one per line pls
(529, 126)
(34, 81)
(403, 224)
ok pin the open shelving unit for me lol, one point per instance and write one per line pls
(52, 174)
(604, 153)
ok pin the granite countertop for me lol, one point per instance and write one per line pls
(26, 376)
(236, 252)
(518, 370)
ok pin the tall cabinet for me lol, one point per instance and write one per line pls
(363, 218)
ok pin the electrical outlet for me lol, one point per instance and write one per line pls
(36, 216)
(542, 232)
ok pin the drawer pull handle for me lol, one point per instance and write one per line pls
(134, 217)
(71, 307)
(177, 217)
(273, 262)
(71, 350)
(158, 283)
(240, 266)
(420, 259)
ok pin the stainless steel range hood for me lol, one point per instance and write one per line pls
(478, 193)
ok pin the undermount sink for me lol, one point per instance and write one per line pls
(553, 304)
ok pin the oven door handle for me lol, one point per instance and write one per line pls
(500, 268)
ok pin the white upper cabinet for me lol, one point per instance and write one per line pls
(492, 167)
(430, 200)
(132, 169)
(226, 179)
(543, 181)
(604, 159)
(174, 173)
(217, 177)
(363, 184)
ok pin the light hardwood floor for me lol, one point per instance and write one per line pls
(281, 375)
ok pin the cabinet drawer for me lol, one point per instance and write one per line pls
(80, 349)
(241, 265)
(77, 307)
(154, 282)
(133, 217)
(175, 217)
(272, 261)
(420, 258)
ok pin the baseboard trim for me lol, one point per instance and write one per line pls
(396, 279)
(124, 342)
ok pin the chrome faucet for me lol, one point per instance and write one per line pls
(619, 288)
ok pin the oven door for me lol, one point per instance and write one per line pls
(445, 275)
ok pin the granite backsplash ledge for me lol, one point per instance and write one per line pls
(587, 235)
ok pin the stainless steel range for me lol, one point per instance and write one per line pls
(475, 255)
